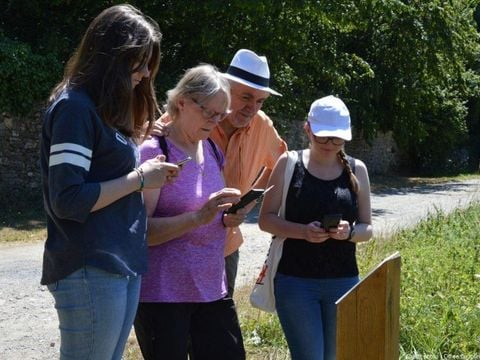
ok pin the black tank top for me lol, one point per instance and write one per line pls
(308, 199)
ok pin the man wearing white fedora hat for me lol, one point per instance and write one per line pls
(248, 139)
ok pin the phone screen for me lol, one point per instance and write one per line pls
(331, 221)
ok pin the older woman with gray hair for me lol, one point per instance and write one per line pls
(183, 294)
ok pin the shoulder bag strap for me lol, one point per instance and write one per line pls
(292, 157)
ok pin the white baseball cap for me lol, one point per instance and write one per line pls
(329, 116)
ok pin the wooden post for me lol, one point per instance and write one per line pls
(368, 315)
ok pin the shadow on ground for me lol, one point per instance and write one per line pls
(426, 188)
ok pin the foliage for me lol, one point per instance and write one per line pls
(49, 27)
(421, 65)
(26, 77)
(406, 66)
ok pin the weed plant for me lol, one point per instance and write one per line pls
(440, 291)
(440, 285)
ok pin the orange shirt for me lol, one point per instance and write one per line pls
(247, 151)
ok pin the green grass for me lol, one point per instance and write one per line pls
(440, 285)
(440, 291)
(21, 220)
(262, 334)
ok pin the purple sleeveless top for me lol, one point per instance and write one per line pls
(190, 268)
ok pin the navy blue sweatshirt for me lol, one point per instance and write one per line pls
(78, 151)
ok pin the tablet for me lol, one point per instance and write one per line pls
(247, 198)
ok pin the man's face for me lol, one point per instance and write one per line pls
(246, 102)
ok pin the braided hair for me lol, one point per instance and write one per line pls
(355, 187)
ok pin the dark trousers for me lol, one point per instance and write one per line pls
(164, 329)
(231, 267)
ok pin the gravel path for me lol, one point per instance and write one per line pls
(28, 322)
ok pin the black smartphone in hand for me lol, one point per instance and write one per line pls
(183, 161)
(331, 221)
(247, 199)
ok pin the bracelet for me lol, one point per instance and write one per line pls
(352, 232)
(139, 172)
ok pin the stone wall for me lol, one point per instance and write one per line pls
(381, 156)
(19, 151)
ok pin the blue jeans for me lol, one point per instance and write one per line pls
(96, 310)
(307, 312)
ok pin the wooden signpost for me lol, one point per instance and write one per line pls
(368, 315)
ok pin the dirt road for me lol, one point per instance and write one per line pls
(28, 323)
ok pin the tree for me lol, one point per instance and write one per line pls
(407, 66)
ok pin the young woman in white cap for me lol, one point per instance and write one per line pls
(318, 263)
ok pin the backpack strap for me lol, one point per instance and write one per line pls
(163, 145)
(215, 150)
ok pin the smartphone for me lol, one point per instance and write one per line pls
(247, 198)
(183, 161)
(331, 221)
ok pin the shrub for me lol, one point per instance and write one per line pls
(26, 77)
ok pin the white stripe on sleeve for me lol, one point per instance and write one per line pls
(69, 158)
(71, 147)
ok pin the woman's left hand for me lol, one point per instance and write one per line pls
(234, 219)
(218, 201)
(237, 218)
(341, 232)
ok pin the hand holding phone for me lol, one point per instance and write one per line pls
(331, 221)
(247, 198)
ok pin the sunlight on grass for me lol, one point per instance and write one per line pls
(22, 220)
(440, 286)
(132, 351)
(11, 235)
(440, 291)
(262, 334)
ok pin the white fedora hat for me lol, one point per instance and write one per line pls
(249, 69)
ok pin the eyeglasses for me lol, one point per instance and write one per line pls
(326, 139)
(210, 114)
